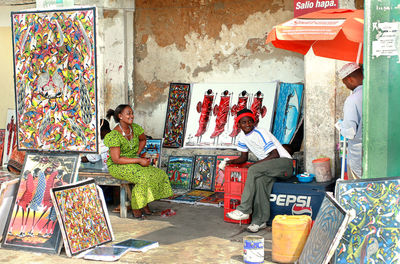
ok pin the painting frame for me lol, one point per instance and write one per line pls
(184, 166)
(204, 166)
(87, 197)
(49, 170)
(174, 128)
(60, 112)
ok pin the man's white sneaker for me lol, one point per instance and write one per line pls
(254, 228)
(237, 215)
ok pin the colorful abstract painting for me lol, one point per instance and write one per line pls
(288, 110)
(55, 79)
(10, 137)
(374, 235)
(83, 216)
(213, 109)
(152, 151)
(180, 170)
(32, 224)
(174, 129)
(220, 174)
(327, 230)
(203, 174)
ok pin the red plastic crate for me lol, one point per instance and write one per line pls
(235, 178)
(230, 204)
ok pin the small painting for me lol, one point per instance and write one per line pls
(83, 216)
(8, 191)
(288, 110)
(175, 120)
(180, 170)
(152, 151)
(10, 137)
(2, 138)
(203, 175)
(220, 174)
(32, 223)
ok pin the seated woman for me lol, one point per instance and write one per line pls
(125, 142)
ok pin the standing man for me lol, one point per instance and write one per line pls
(351, 126)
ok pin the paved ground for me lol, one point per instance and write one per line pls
(196, 234)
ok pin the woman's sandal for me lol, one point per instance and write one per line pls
(147, 211)
(137, 213)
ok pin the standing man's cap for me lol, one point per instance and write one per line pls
(347, 69)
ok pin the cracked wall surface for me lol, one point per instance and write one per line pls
(205, 41)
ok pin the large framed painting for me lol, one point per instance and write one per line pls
(203, 174)
(288, 110)
(328, 228)
(83, 216)
(180, 170)
(54, 55)
(174, 129)
(32, 223)
(373, 235)
(214, 106)
(152, 151)
(10, 137)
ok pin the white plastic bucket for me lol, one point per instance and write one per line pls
(322, 169)
(253, 249)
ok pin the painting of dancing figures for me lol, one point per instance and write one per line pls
(32, 224)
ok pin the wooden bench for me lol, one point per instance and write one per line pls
(104, 178)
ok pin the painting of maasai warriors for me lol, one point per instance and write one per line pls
(176, 115)
(373, 235)
(203, 175)
(288, 110)
(214, 107)
(32, 223)
(152, 151)
(10, 137)
(180, 170)
(83, 216)
(55, 79)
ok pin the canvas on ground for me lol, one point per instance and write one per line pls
(54, 54)
(83, 216)
(213, 108)
(180, 170)
(32, 224)
(175, 120)
(203, 174)
(373, 235)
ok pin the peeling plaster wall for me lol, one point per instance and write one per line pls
(205, 41)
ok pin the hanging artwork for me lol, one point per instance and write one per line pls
(55, 79)
(327, 230)
(174, 128)
(8, 190)
(213, 109)
(152, 151)
(220, 174)
(288, 110)
(83, 216)
(32, 223)
(203, 175)
(373, 236)
(180, 170)
(10, 137)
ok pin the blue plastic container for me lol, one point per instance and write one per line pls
(305, 177)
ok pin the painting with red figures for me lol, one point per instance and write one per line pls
(54, 55)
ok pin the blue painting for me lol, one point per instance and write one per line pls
(374, 235)
(288, 111)
(152, 151)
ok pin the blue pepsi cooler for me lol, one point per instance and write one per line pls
(295, 198)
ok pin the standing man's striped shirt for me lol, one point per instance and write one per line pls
(261, 143)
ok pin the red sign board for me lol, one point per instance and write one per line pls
(302, 7)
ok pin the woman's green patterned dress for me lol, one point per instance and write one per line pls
(151, 183)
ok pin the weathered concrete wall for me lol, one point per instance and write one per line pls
(205, 41)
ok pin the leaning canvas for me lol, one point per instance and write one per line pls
(174, 129)
(32, 224)
(2, 137)
(213, 108)
(83, 216)
(180, 170)
(288, 110)
(219, 185)
(54, 55)
(10, 137)
(203, 174)
(373, 236)
(8, 190)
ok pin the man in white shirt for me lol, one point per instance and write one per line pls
(273, 162)
(351, 126)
